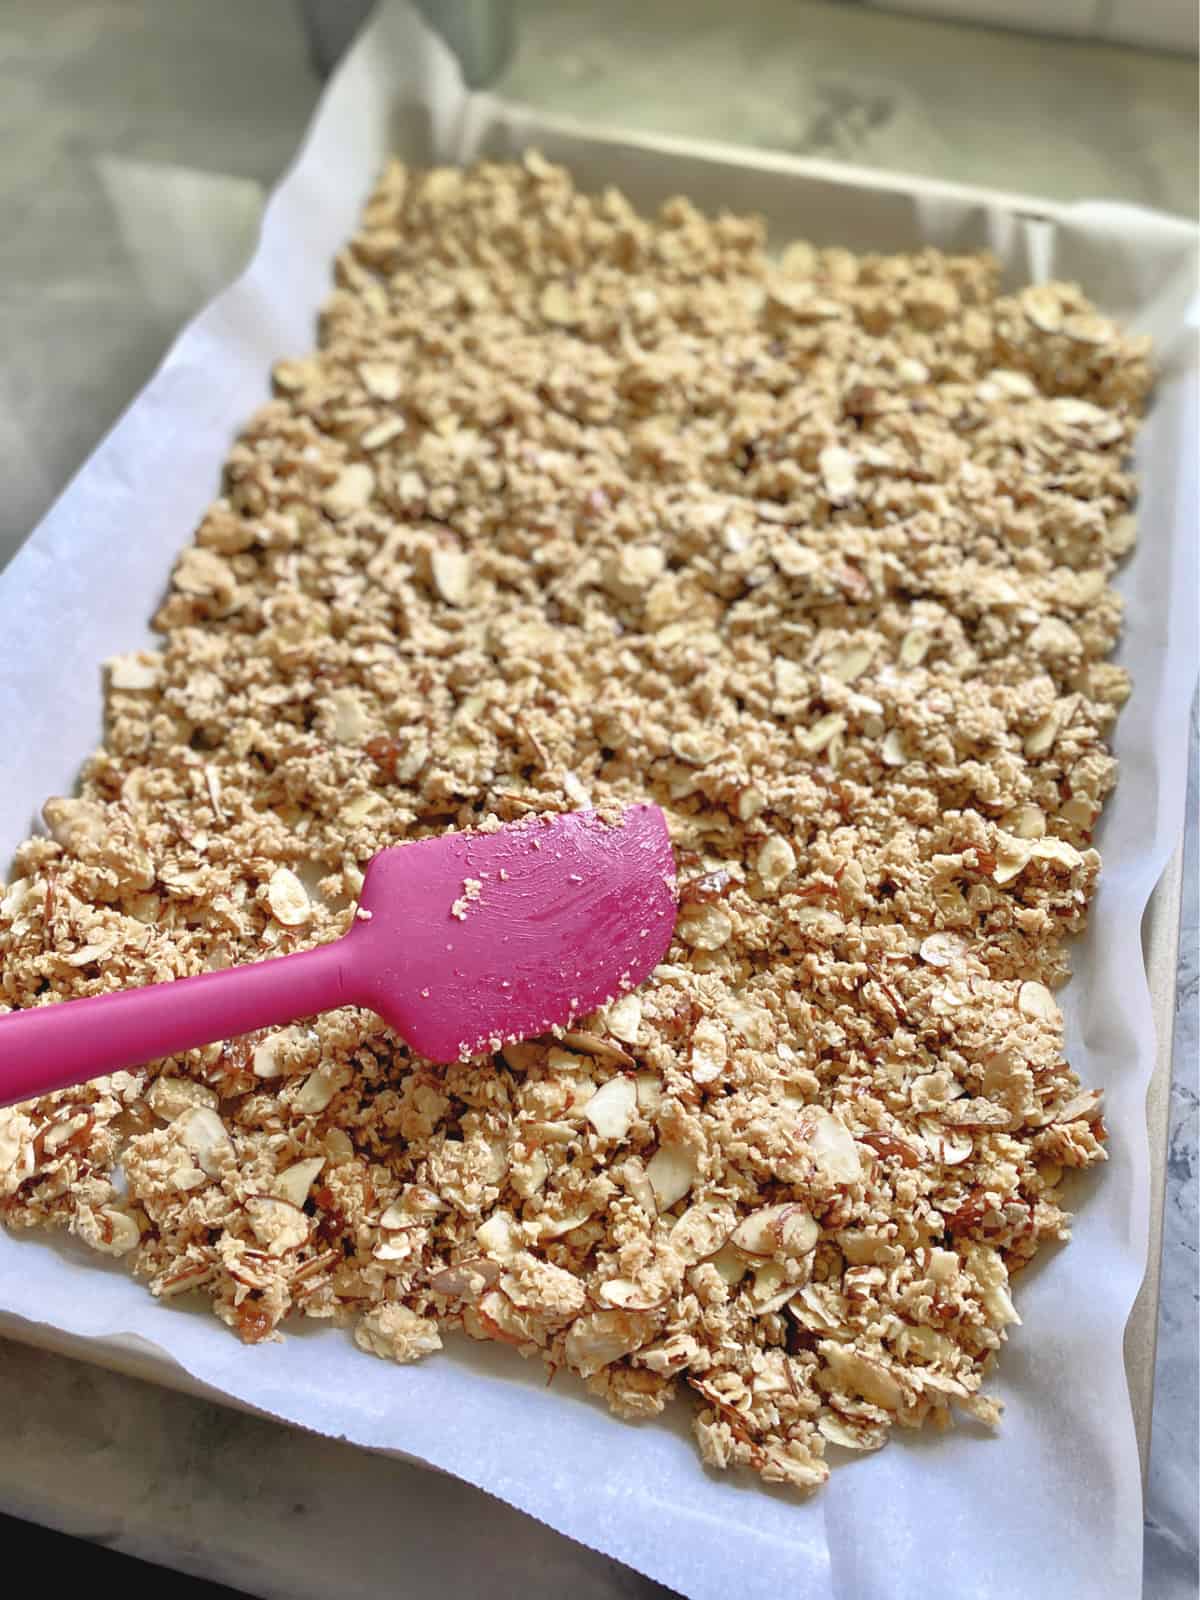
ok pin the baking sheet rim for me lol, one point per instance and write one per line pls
(1160, 929)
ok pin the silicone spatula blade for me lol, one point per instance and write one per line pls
(459, 942)
(483, 937)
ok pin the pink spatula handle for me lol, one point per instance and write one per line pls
(53, 1046)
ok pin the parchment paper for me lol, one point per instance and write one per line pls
(1057, 1492)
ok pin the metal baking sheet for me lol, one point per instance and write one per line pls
(116, 531)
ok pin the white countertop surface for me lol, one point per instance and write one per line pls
(100, 263)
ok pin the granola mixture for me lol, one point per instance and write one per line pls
(572, 506)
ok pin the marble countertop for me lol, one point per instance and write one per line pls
(103, 259)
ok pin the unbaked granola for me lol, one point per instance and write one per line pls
(576, 507)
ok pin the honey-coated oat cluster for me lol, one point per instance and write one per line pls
(575, 507)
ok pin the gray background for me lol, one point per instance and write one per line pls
(137, 142)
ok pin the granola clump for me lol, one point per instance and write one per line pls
(574, 507)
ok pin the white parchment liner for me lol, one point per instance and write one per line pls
(1056, 1496)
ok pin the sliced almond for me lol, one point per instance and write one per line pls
(831, 1145)
(170, 1097)
(949, 1147)
(119, 1232)
(850, 1436)
(1013, 855)
(612, 1109)
(295, 1181)
(320, 1087)
(396, 1247)
(705, 927)
(770, 1289)
(987, 1267)
(914, 647)
(649, 1092)
(631, 1175)
(629, 1295)
(730, 1264)
(625, 1018)
(710, 1051)
(776, 861)
(592, 1044)
(350, 723)
(1042, 304)
(812, 740)
(698, 747)
(382, 433)
(701, 1231)
(1041, 741)
(339, 1147)
(860, 1375)
(848, 663)
(528, 1176)
(288, 898)
(466, 1281)
(1037, 1003)
(267, 1060)
(672, 1172)
(206, 1139)
(784, 1229)
(751, 802)
(1026, 821)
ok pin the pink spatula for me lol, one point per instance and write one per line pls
(459, 941)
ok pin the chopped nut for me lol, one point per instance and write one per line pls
(349, 724)
(381, 380)
(705, 927)
(398, 1334)
(839, 475)
(451, 575)
(279, 1224)
(555, 305)
(140, 670)
(351, 491)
